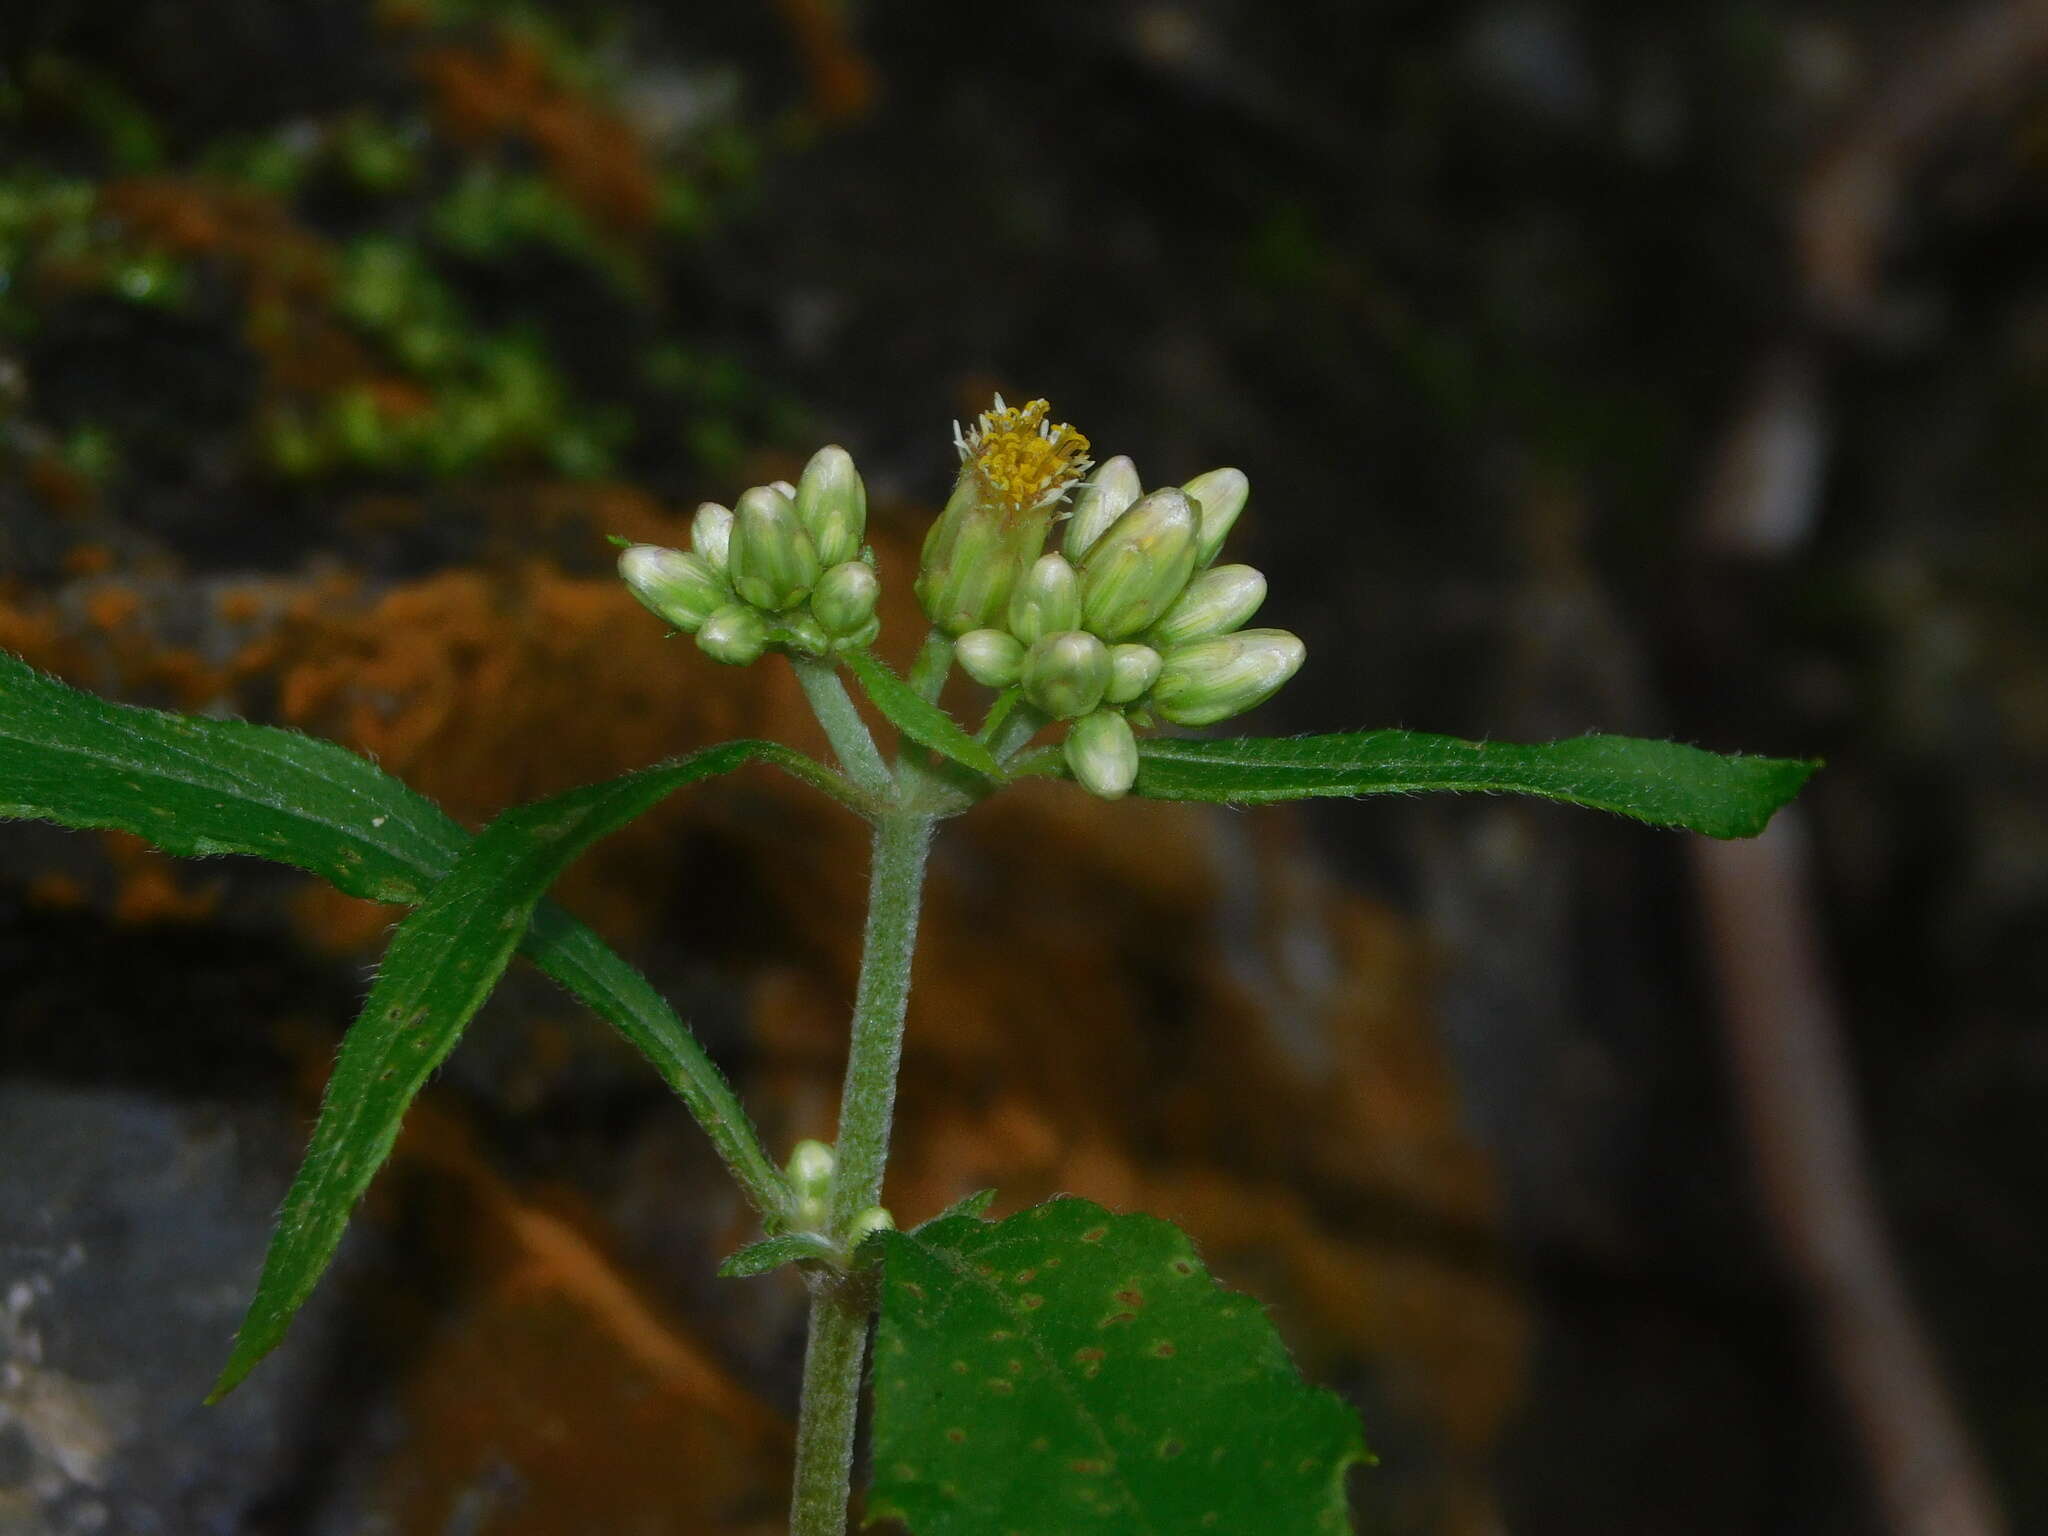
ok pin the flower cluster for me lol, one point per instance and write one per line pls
(783, 567)
(1129, 622)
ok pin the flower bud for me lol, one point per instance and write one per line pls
(832, 504)
(680, 587)
(1103, 498)
(735, 635)
(1219, 600)
(1066, 674)
(810, 1168)
(711, 534)
(1212, 680)
(1219, 495)
(1137, 569)
(1046, 601)
(771, 560)
(1103, 754)
(874, 1219)
(845, 597)
(787, 490)
(992, 657)
(1132, 669)
(972, 559)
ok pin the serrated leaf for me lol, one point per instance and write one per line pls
(443, 962)
(1070, 1370)
(1661, 782)
(774, 1252)
(195, 786)
(922, 721)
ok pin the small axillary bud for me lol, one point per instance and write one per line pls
(1219, 496)
(680, 587)
(992, 657)
(810, 1168)
(874, 1219)
(1046, 601)
(1212, 680)
(1220, 599)
(771, 559)
(1067, 674)
(832, 504)
(845, 597)
(1103, 754)
(1137, 569)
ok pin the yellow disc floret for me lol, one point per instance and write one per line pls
(1023, 460)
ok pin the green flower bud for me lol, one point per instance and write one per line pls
(1046, 601)
(1137, 569)
(1016, 467)
(771, 560)
(1103, 498)
(1220, 495)
(711, 533)
(810, 1168)
(1066, 674)
(1132, 670)
(860, 639)
(832, 504)
(1103, 754)
(680, 587)
(1212, 680)
(845, 597)
(873, 1219)
(786, 490)
(735, 635)
(993, 657)
(1219, 600)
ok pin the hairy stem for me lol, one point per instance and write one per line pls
(831, 1403)
(839, 1308)
(844, 728)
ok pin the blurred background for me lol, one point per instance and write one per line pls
(1674, 370)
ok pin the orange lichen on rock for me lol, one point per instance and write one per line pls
(593, 155)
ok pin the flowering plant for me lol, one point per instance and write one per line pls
(1064, 1367)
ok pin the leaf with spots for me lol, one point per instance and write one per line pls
(1071, 1370)
(1662, 782)
(443, 962)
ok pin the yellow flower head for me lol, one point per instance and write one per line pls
(1022, 460)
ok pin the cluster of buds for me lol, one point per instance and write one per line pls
(783, 567)
(1130, 621)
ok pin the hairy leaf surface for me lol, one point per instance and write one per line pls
(1070, 1370)
(1662, 782)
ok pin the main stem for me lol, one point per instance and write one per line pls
(840, 1304)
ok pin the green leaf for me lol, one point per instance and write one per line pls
(194, 786)
(443, 962)
(923, 722)
(774, 1252)
(1069, 1370)
(1661, 782)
